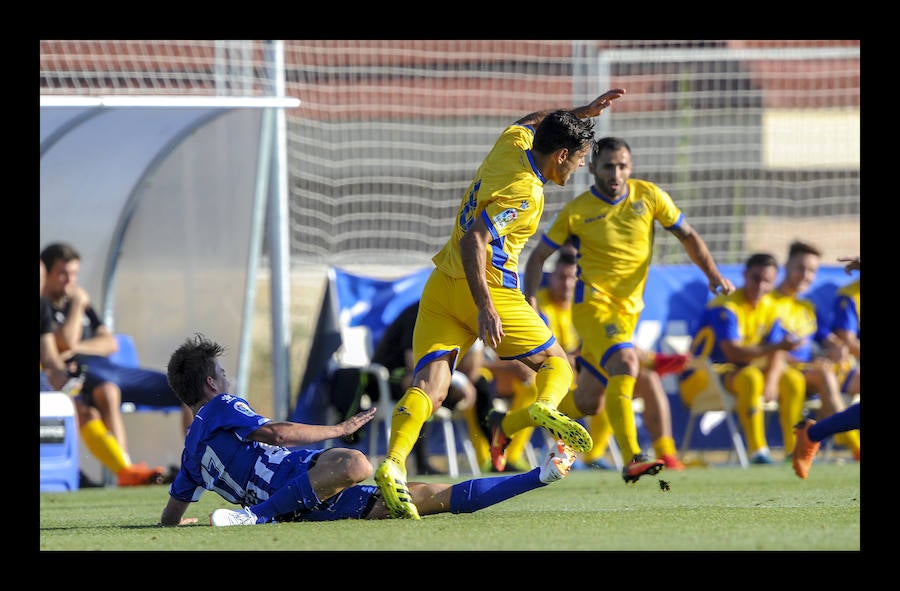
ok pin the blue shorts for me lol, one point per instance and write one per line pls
(139, 386)
(352, 503)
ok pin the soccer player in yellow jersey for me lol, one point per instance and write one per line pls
(800, 319)
(612, 225)
(742, 335)
(474, 291)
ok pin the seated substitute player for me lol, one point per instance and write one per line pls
(244, 457)
(742, 336)
(811, 433)
(800, 318)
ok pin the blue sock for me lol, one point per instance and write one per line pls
(478, 493)
(839, 422)
(297, 494)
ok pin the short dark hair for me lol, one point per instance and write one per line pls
(798, 247)
(567, 257)
(610, 143)
(562, 129)
(190, 365)
(58, 251)
(761, 259)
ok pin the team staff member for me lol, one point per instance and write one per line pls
(612, 227)
(474, 292)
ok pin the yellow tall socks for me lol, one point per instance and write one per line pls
(523, 395)
(791, 396)
(551, 383)
(482, 446)
(101, 443)
(748, 388)
(664, 446)
(553, 380)
(601, 430)
(567, 405)
(850, 440)
(619, 392)
(409, 415)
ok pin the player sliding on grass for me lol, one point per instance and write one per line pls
(473, 292)
(244, 457)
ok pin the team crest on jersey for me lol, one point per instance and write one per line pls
(242, 408)
(504, 218)
(524, 205)
(611, 330)
(639, 207)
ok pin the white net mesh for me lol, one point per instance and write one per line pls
(757, 141)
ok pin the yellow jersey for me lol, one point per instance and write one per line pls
(508, 194)
(559, 319)
(731, 318)
(615, 239)
(798, 318)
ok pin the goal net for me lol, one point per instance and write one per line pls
(758, 142)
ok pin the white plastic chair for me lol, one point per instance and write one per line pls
(711, 406)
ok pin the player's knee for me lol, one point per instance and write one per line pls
(793, 382)
(358, 466)
(749, 381)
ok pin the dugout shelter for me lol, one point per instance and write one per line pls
(166, 199)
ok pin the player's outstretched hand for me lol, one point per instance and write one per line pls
(604, 100)
(852, 263)
(353, 424)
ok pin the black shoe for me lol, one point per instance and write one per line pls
(85, 482)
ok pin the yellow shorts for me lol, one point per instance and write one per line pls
(448, 322)
(603, 328)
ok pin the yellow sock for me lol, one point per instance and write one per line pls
(523, 395)
(850, 440)
(553, 380)
(791, 395)
(409, 415)
(103, 446)
(664, 446)
(601, 430)
(748, 388)
(482, 446)
(568, 408)
(619, 392)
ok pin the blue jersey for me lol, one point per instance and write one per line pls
(847, 309)
(218, 456)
